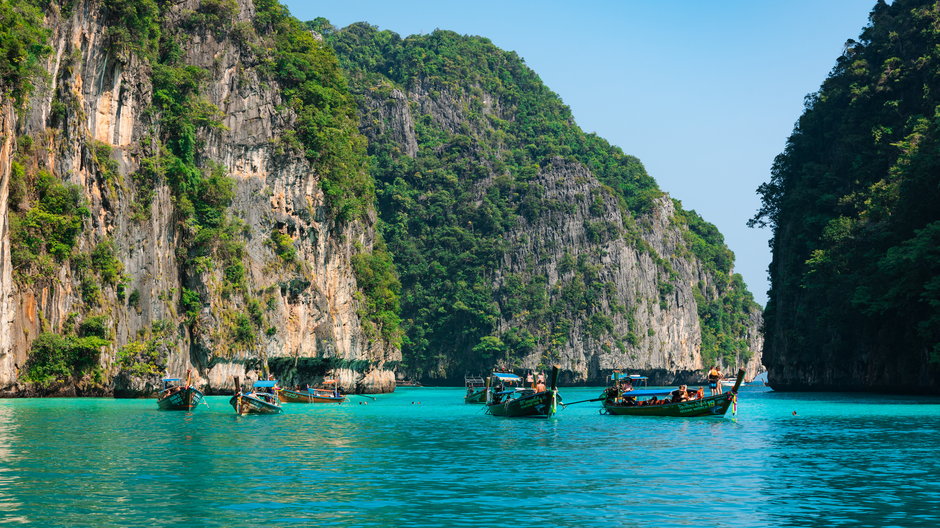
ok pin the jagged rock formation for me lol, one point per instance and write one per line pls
(204, 237)
(854, 302)
(523, 241)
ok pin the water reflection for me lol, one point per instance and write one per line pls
(11, 511)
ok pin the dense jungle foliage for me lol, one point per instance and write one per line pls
(446, 212)
(22, 44)
(853, 202)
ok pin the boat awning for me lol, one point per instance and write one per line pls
(505, 376)
(265, 383)
(647, 392)
(171, 379)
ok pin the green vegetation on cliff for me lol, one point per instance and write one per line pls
(446, 212)
(22, 44)
(325, 129)
(853, 204)
(55, 359)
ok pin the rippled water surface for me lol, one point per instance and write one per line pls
(420, 457)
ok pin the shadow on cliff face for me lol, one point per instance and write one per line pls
(293, 372)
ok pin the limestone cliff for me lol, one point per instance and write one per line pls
(523, 241)
(230, 262)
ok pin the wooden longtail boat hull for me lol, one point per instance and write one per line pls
(541, 405)
(478, 396)
(252, 405)
(184, 400)
(716, 405)
(711, 406)
(289, 396)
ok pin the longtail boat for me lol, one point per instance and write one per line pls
(630, 403)
(256, 401)
(518, 402)
(308, 395)
(176, 397)
(476, 389)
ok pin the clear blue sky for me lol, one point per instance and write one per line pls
(704, 93)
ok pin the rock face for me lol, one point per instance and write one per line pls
(93, 124)
(667, 327)
(7, 300)
(577, 277)
(854, 302)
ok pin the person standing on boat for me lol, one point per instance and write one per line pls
(498, 392)
(714, 381)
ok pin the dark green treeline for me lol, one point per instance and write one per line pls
(854, 203)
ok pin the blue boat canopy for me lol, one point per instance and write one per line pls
(263, 383)
(171, 379)
(647, 392)
(505, 376)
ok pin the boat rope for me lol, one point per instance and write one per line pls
(734, 404)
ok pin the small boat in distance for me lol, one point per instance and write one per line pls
(176, 397)
(317, 395)
(522, 401)
(476, 389)
(258, 401)
(627, 402)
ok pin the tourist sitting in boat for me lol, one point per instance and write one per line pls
(540, 386)
(680, 394)
(611, 393)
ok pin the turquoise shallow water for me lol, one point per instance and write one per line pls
(843, 460)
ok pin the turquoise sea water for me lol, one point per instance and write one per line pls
(420, 457)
